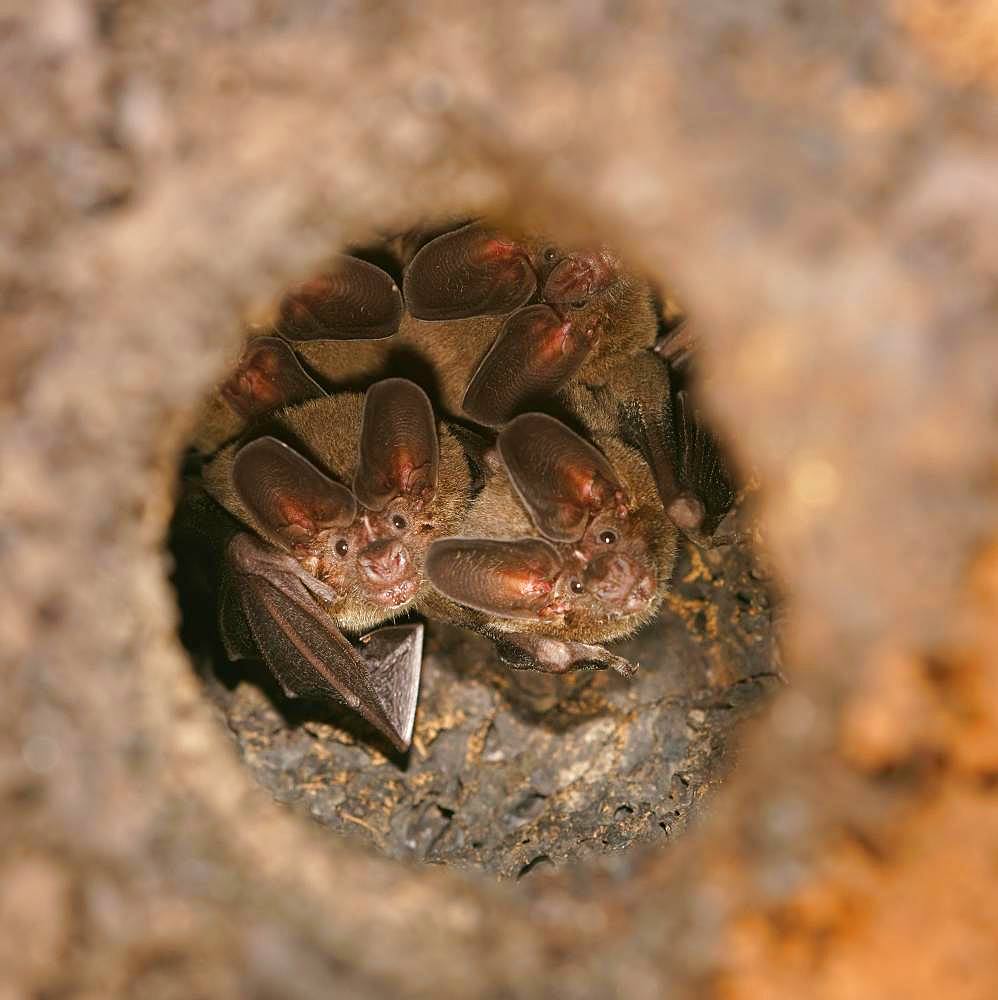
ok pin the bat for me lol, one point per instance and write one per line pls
(493, 325)
(560, 316)
(349, 301)
(566, 547)
(331, 506)
(639, 406)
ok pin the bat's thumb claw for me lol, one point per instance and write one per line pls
(624, 667)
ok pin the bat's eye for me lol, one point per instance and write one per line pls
(578, 304)
(342, 547)
(550, 255)
(608, 537)
(399, 523)
(577, 586)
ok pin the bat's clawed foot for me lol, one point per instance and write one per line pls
(558, 656)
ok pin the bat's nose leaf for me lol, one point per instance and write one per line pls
(472, 271)
(618, 580)
(561, 478)
(384, 562)
(354, 300)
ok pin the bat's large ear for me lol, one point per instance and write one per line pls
(561, 478)
(512, 579)
(287, 494)
(353, 301)
(268, 376)
(536, 353)
(470, 272)
(399, 452)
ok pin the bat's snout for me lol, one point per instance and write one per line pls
(579, 277)
(384, 562)
(620, 581)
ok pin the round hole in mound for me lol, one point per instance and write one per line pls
(513, 771)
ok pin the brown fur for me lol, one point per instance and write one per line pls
(440, 357)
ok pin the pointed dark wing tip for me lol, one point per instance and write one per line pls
(398, 741)
(392, 676)
(702, 468)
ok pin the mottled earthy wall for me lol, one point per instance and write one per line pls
(818, 180)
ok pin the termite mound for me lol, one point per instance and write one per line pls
(819, 182)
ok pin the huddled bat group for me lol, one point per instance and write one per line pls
(484, 436)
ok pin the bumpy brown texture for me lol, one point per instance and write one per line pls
(819, 183)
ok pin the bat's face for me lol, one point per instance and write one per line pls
(391, 548)
(396, 484)
(609, 573)
(365, 543)
(591, 568)
(377, 558)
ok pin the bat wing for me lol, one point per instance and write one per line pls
(677, 345)
(305, 651)
(535, 354)
(355, 300)
(268, 376)
(473, 271)
(701, 467)
(394, 656)
(692, 480)
(561, 478)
